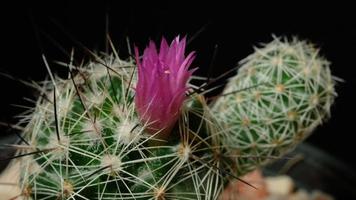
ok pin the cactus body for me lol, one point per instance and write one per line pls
(90, 144)
(280, 94)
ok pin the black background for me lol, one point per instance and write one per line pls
(234, 29)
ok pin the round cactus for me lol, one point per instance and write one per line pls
(281, 93)
(87, 137)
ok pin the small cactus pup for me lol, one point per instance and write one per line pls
(121, 129)
(281, 93)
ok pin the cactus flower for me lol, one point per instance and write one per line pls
(162, 85)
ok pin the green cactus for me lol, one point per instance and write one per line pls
(87, 143)
(281, 93)
(85, 140)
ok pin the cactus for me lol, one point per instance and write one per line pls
(90, 137)
(281, 93)
(86, 140)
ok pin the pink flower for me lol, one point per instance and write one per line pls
(162, 84)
